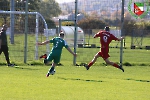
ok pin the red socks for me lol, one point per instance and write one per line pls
(116, 65)
(90, 64)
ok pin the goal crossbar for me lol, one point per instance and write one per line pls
(37, 26)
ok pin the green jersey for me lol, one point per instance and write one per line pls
(3, 37)
(58, 44)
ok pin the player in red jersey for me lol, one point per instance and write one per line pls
(105, 40)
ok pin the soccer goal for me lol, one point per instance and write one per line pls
(36, 26)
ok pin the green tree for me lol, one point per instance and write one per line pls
(33, 5)
(128, 27)
(4, 6)
(49, 8)
(90, 23)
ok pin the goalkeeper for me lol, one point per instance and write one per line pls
(55, 54)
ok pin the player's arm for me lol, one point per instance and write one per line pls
(121, 38)
(96, 35)
(71, 51)
(68, 48)
(117, 39)
(43, 43)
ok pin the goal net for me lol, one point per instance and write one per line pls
(16, 33)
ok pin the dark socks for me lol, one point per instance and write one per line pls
(52, 68)
(45, 61)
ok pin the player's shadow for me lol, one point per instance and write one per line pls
(23, 68)
(78, 79)
(138, 80)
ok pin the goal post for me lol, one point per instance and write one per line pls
(36, 28)
(122, 22)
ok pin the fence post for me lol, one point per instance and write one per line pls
(12, 21)
(76, 31)
(122, 22)
(26, 32)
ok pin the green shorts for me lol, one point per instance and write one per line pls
(55, 56)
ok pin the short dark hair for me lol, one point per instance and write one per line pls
(106, 28)
(61, 34)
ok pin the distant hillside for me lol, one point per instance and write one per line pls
(95, 5)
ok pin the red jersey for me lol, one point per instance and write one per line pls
(105, 38)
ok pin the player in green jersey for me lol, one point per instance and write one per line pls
(55, 54)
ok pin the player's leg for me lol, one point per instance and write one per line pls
(48, 58)
(51, 70)
(1, 50)
(45, 58)
(113, 64)
(56, 58)
(93, 60)
(6, 53)
(5, 50)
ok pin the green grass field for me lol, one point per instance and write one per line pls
(101, 82)
(75, 83)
